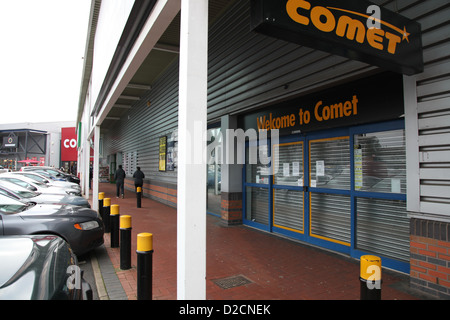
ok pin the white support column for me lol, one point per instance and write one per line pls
(87, 156)
(191, 203)
(96, 169)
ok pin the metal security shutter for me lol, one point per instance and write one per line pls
(257, 205)
(288, 209)
(288, 164)
(330, 217)
(383, 162)
(383, 228)
(330, 163)
(330, 169)
(288, 172)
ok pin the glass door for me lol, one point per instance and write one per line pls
(329, 190)
(257, 182)
(287, 191)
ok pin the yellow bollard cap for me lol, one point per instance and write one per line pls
(144, 242)
(125, 222)
(106, 202)
(101, 195)
(138, 189)
(370, 268)
(114, 209)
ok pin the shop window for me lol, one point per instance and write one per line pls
(330, 163)
(257, 209)
(380, 162)
(214, 174)
(258, 168)
(288, 164)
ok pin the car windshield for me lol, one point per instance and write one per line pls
(46, 174)
(36, 178)
(27, 194)
(55, 173)
(21, 183)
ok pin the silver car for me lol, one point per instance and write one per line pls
(39, 177)
(20, 193)
(37, 186)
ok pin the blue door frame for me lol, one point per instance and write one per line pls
(305, 236)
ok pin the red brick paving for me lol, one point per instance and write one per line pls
(278, 268)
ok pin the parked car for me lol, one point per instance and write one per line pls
(20, 193)
(40, 267)
(37, 186)
(39, 177)
(54, 172)
(81, 227)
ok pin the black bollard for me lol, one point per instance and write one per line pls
(101, 196)
(114, 224)
(139, 196)
(370, 277)
(144, 266)
(106, 214)
(125, 242)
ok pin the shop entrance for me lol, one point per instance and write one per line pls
(341, 189)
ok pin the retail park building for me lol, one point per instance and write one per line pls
(344, 108)
(42, 143)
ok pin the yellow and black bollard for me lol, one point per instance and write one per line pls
(101, 196)
(114, 223)
(139, 196)
(125, 242)
(144, 266)
(106, 214)
(370, 277)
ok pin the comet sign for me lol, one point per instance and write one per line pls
(68, 144)
(358, 30)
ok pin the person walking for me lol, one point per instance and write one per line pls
(138, 176)
(119, 177)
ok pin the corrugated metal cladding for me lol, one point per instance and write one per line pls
(249, 70)
(433, 98)
(140, 130)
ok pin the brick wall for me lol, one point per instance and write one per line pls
(163, 192)
(430, 257)
(231, 207)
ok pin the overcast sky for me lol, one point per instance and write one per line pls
(41, 56)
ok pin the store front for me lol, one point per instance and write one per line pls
(338, 183)
(362, 160)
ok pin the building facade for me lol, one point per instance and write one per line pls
(355, 153)
(33, 144)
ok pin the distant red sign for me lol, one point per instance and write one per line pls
(69, 144)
